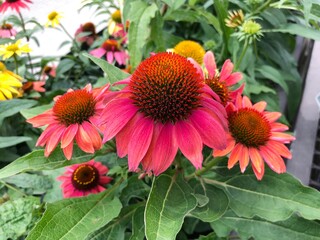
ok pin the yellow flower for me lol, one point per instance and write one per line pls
(53, 19)
(235, 18)
(8, 50)
(188, 48)
(114, 21)
(8, 83)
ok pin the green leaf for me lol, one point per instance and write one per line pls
(215, 208)
(113, 73)
(273, 75)
(293, 228)
(275, 198)
(297, 29)
(135, 188)
(139, 31)
(64, 65)
(138, 224)
(170, 200)
(12, 140)
(36, 160)
(32, 112)
(15, 217)
(76, 218)
(175, 4)
(13, 106)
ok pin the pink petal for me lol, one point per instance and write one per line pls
(189, 141)
(278, 127)
(94, 135)
(45, 136)
(256, 159)
(259, 175)
(246, 102)
(281, 137)
(260, 106)
(210, 64)
(116, 115)
(226, 70)
(280, 148)
(165, 151)
(244, 158)
(99, 52)
(234, 156)
(84, 141)
(197, 66)
(210, 130)
(68, 150)
(273, 159)
(233, 78)
(43, 119)
(103, 180)
(140, 142)
(110, 57)
(272, 116)
(54, 140)
(230, 145)
(68, 135)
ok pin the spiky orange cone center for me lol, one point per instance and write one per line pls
(166, 87)
(74, 107)
(249, 127)
(219, 88)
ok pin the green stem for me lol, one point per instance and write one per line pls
(72, 39)
(13, 188)
(23, 25)
(244, 50)
(16, 63)
(261, 8)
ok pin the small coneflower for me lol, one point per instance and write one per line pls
(35, 86)
(255, 136)
(190, 49)
(53, 19)
(15, 5)
(72, 118)
(48, 71)
(84, 179)
(9, 82)
(17, 48)
(166, 106)
(114, 20)
(235, 18)
(90, 30)
(7, 31)
(249, 31)
(223, 82)
(113, 51)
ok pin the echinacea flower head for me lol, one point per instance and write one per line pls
(9, 82)
(37, 86)
(72, 119)
(17, 48)
(48, 71)
(53, 19)
(84, 179)
(250, 31)
(235, 18)
(7, 31)
(190, 49)
(221, 82)
(90, 30)
(166, 106)
(113, 51)
(15, 5)
(255, 137)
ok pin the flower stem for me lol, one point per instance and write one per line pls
(16, 63)
(244, 50)
(72, 39)
(23, 25)
(13, 188)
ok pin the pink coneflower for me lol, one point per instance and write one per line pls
(112, 49)
(48, 71)
(36, 86)
(165, 107)
(88, 28)
(222, 83)
(7, 31)
(83, 179)
(73, 117)
(120, 33)
(15, 5)
(255, 135)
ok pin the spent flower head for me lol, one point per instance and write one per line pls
(235, 18)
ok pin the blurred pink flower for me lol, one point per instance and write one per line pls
(84, 179)
(88, 28)
(15, 5)
(165, 106)
(73, 117)
(112, 50)
(48, 71)
(7, 31)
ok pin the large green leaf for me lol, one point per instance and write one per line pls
(31, 112)
(15, 217)
(138, 224)
(113, 73)
(36, 160)
(275, 198)
(216, 206)
(13, 106)
(12, 140)
(76, 218)
(297, 29)
(293, 228)
(175, 4)
(140, 16)
(170, 200)
(135, 188)
(273, 75)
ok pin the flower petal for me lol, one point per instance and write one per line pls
(226, 70)
(84, 141)
(244, 158)
(210, 64)
(235, 155)
(68, 135)
(68, 150)
(93, 133)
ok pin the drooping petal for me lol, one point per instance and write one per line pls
(99, 52)
(230, 145)
(93, 133)
(53, 140)
(244, 158)
(189, 142)
(226, 70)
(109, 57)
(165, 150)
(256, 159)
(68, 150)
(233, 78)
(210, 130)
(282, 137)
(140, 142)
(278, 127)
(68, 135)
(84, 141)
(280, 148)
(234, 156)
(259, 174)
(43, 119)
(273, 159)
